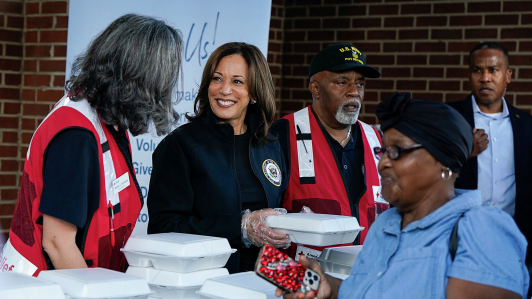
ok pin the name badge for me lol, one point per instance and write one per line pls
(121, 183)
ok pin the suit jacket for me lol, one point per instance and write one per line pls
(522, 131)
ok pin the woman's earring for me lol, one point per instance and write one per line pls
(449, 174)
(253, 102)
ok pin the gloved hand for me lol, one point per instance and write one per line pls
(255, 230)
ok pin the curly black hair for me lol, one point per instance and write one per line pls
(129, 74)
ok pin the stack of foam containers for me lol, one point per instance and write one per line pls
(97, 283)
(176, 265)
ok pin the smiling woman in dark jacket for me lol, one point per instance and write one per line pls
(208, 172)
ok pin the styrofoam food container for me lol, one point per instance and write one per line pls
(179, 245)
(98, 283)
(177, 252)
(175, 264)
(237, 286)
(316, 229)
(173, 285)
(19, 286)
(339, 259)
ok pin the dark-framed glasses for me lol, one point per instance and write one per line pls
(393, 151)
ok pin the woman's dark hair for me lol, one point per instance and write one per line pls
(129, 74)
(260, 86)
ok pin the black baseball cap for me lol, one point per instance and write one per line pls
(342, 57)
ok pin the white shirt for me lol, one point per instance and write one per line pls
(496, 170)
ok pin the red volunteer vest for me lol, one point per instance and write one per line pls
(23, 252)
(315, 180)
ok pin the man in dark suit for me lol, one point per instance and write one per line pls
(501, 163)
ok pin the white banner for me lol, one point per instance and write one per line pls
(205, 25)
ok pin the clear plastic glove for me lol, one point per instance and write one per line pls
(306, 210)
(255, 230)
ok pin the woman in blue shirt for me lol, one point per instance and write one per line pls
(407, 253)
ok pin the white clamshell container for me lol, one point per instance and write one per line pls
(316, 229)
(98, 283)
(237, 286)
(19, 286)
(173, 285)
(339, 259)
(177, 252)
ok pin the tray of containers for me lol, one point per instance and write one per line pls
(177, 252)
(316, 229)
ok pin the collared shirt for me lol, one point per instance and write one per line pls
(351, 159)
(496, 169)
(414, 262)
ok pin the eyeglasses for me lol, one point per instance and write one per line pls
(393, 151)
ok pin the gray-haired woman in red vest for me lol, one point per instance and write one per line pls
(79, 199)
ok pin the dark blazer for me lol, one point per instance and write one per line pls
(194, 188)
(522, 131)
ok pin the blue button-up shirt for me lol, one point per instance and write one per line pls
(496, 170)
(414, 262)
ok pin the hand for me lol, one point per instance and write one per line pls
(480, 142)
(328, 289)
(255, 229)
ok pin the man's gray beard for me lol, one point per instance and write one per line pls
(347, 118)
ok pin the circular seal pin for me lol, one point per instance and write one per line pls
(272, 172)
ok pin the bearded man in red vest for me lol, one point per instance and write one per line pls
(329, 152)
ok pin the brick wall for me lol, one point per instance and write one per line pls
(32, 67)
(275, 48)
(419, 46)
(11, 53)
